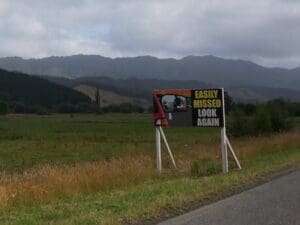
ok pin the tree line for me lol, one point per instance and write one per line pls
(262, 118)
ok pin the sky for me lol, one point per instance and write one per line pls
(264, 31)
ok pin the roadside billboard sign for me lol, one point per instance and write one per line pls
(189, 107)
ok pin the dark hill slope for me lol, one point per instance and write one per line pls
(32, 90)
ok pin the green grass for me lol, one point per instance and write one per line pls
(30, 141)
(149, 200)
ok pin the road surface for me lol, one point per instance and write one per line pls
(274, 203)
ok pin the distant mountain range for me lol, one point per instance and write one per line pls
(207, 69)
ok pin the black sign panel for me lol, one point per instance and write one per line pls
(207, 108)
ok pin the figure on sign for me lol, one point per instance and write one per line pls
(180, 104)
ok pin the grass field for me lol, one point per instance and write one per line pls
(27, 141)
(100, 169)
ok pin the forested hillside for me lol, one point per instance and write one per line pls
(28, 91)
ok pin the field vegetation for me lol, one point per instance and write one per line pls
(100, 169)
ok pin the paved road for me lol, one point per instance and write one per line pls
(273, 203)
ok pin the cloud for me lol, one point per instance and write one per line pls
(266, 32)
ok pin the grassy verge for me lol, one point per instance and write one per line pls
(153, 199)
(88, 169)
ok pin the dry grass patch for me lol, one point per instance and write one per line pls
(252, 146)
(44, 183)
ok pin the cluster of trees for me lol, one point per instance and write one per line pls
(261, 118)
(123, 108)
(20, 108)
(94, 108)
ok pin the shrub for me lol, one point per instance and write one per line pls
(240, 124)
(3, 108)
(123, 108)
(36, 110)
(67, 108)
(199, 168)
(267, 118)
(262, 121)
(212, 168)
(196, 168)
(18, 107)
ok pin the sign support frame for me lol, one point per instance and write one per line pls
(167, 146)
(158, 149)
(158, 134)
(223, 138)
(233, 153)
(225, 142)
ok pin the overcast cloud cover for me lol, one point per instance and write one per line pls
(264, 31)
